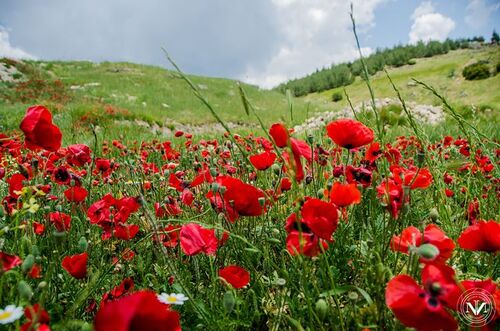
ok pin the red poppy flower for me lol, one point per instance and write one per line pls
(39, 131)
(125, 231)
(285, 184)
(62, 176)
(321, 217)
(76, 265)
(78, 155)
(263, 160)
(279, 133)
(135, 312)
(303, 243)
(417, 178)
(125, 287)
(195, 239)
(359, 175)
(61, 221)
(8, 261)
(343, 195)
(425, 308)
(76, 194)
(15, 185)
(38, 228)
(238, 198)
(472, 211)
(35, 272)
(349, 133)
(392, 195)
(412, 237)
(187, 197)
(169, 236)
(373, 152)
(38, 316)
(236, 276)
(482, 236)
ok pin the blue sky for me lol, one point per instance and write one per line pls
(264, 42)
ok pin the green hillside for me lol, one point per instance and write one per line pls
(444, 72)
(125, 98)
(105, 94)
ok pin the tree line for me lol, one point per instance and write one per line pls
(343, 74)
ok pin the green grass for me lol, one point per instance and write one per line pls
(150, 94)
(127, 91)
(444, 72)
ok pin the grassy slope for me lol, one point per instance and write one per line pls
(156, 95)
(435, 71)
(143, 91)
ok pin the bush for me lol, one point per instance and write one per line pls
(392, 115)
(336, 96)
(412, 62)
(475, 71)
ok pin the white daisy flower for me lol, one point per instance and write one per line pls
(172, 298)
(10, 314)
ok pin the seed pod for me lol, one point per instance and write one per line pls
(25, 291)
(428, 251)
(433, 214)
(229, 301)
(83, 244)
(321, 308)
(28, 263)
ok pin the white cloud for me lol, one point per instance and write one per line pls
(429, 25)
(478, 13)
(314, 34)
(7, 50)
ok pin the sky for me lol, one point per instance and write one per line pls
(263, 42)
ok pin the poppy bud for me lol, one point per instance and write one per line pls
(25, 291)
(420, 159)
(26, 243)
(42, 285)
(86, 327)
(353, 296)
(213, 172)
(320, 193)
(222, 189)
(310, 138)
(35, 250)
(276, 169)
(83, 244)
(215, 187)
(262, 201)
(59, 208)
(427, 251)
(434, 214)
(28, 263)
(329, 185)
(321, 308)
(280, 282)
(229, 301)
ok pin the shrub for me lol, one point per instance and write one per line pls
(412, 62)
(392, 115)
(337, 96)
(475, 71)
